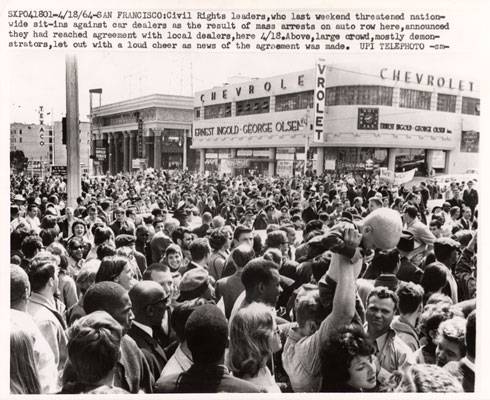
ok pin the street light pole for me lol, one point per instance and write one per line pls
(307, 141)
(73, 186)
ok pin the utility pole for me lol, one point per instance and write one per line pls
(73, 133)
(307, 139)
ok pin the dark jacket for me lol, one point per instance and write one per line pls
(309, 214)
(470, 198)
(204, 379)
(409, 272)
(152, 350)
(201, 231)
(261, 221)
(132, 372)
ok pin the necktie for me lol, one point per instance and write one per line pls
(159, 335)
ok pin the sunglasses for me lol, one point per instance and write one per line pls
(163, 300)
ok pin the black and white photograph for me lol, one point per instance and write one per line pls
(278, 219)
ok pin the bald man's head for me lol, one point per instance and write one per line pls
(149, 302)
(382, 229)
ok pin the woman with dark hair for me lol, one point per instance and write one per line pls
(397, 204)
(24, 377)
(101, 234)
(434, 279)
(348, 363)
(220, 243)
(116, 269)
(79, 230)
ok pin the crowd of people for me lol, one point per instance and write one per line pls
(172, 282)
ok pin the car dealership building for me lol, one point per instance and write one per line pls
(370, 117)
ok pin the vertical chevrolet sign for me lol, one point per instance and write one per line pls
(319, 100)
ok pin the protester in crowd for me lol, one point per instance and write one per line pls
(450, 341)
(118, 270)
(31, 245)
(133, 372)
(434, 279)
(149, 302)
(348, 362)
(301, 356)
(470, 196)
(426, 378)
(390, 349)
(220, 243)
(420, 231)
(94, 348)
(446, 251)
(181, 357)
(24, 376)
(46, 310)
(206, 333)
(464, 369)
(155, 209)
(196, 283)
(261, 280)
(85, 279)
(79, 231)
(410, 305)
(44, 362)
(229, 288)
(122, 223)
(254, 337)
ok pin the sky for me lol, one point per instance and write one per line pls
(38, 78)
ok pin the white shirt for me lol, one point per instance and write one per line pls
(43, 355)
(178, 363)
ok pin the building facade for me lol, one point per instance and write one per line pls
(150, 131)
(374, 117)
(43, 146)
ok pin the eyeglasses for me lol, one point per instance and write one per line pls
(163, 300)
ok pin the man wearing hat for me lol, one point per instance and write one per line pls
(409, 271)
(195, 284)
(130, 241)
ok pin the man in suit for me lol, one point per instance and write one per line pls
(122, 224)
(456, 201)
(470, 196)
(203, 229)
(261, 220)
(465, 221)
(230, 287)
(149, 306)
(310, 212)
(421, 232)
(132, 372)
